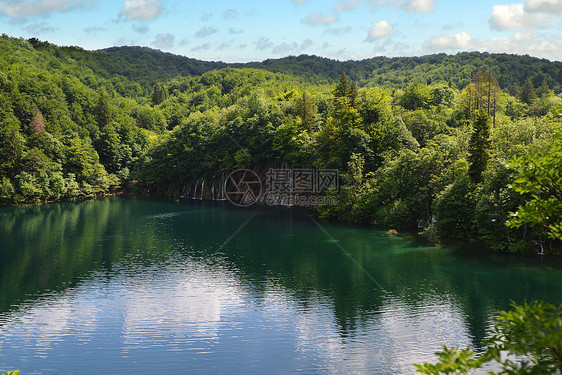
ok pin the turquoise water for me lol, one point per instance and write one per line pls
(127, 286)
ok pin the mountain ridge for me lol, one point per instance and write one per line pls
(147, 66)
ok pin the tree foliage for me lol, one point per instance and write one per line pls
(524, 340)
(478, 147)
(419, 142)
(540, 176)
(64, 132)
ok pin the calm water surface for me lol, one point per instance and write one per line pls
(138, 286)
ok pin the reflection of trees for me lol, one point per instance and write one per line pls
(46, 248)
(53, 247)
(292, 252)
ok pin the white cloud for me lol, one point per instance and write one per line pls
(141, 29)
(510, 16)
(532, 43)
(206, 16)
(298, 2)
(379, 30)
(223, 46)
(164, 41)
(39, 28)
(286, 49)
(122, 41)
(230, 14)
(205, 31)
(22, 9)
(546, 6)
(451, 26)
(202, 47)
(305, 44)
(140, 9)
(519, 36)
(337, 31)
(414, 6)
(94, 29)
(316, 18)
(264, 43)
(420, 6)
(460, 40)
(347, 5)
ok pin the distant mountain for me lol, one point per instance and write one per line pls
(147, 66)
(140, 62)
(381, 71)
(394, 72)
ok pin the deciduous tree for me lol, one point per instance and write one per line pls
(540, 176)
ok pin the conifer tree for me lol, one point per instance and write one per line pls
(103, 113)
(353, 94)
(527, 94)
(159, 93)
(342, 92)
(478, 147)
(515, 89)
(544, 90)
(306, 110)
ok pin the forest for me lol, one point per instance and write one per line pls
(464, 147)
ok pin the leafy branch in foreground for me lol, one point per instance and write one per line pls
(452, 361)
(524, 340)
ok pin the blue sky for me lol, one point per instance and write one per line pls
(251, 30)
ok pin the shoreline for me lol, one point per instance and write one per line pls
(403, 232)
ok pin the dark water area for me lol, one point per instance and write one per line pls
(126, 286)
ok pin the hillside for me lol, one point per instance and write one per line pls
(377, 71)
(147, 66)
(433, 142)
(395, 72)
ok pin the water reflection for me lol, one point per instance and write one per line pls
(158, 286)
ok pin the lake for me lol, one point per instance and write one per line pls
(126, 286)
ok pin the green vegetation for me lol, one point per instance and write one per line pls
(540, 174)
(64, 132)
(452, 145)
(147, 66)
(524, 340)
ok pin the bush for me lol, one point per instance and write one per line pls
(6, 190)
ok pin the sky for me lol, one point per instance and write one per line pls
(255, 30)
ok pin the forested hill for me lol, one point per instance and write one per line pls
(147, 66)
(140, 64)
(378, 71)
(460, 156)
(394, 72)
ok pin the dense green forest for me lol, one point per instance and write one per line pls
(148, 66)
(452, 145)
